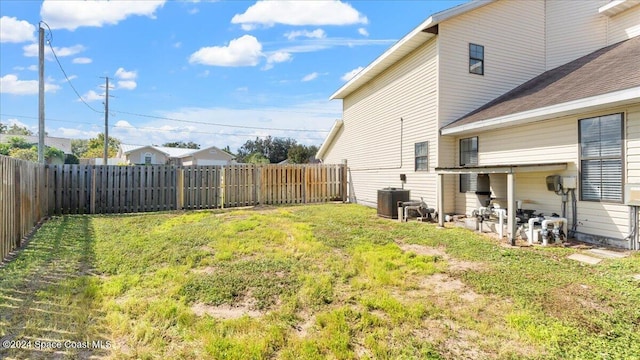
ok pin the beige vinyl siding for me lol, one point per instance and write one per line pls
(557, 141)
(624, 26)
(633, 145)
(137, 156)
(573, 29)
(513, 38)
(378, 145)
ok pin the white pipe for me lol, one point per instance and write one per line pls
(530, 232)
(502, 214)
(554, 221)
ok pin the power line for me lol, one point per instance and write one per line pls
(215, 124)
(49, 41)
(149, 128)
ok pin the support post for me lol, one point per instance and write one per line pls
(92, 204)
(345, 180)
(41, 96)
(440, 199)
(511, 207)
(105, 156)
(179, 189)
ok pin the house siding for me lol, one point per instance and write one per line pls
(514, 53)
(557, 141)
(137, 156)
(385, 143)
(624, 26)
(573, 29)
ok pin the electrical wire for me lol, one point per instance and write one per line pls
(149, 128)
(50, 41)
(217, 124)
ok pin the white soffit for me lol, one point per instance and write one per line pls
(617, 6)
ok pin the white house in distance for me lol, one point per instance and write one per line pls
(490, 98)
(146, 155)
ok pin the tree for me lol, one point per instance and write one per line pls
(227, 149)
(3, 128)
(24, 154)
(79, 147)
(301, 154)
(182, 145)
(274, 149)
(17, 142)
(15, 129)
(96, 147)
(257, 158)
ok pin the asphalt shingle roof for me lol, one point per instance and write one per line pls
(612, 68)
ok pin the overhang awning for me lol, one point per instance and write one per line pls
(502, 169)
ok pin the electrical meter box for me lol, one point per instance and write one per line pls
(632, 194)
(554, 183)
(569, 182)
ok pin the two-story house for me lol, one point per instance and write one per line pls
(489, 99)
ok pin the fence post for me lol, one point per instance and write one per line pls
(344, 180)
(222, 186)
(18, 208)
(92, 204)
(179, 188)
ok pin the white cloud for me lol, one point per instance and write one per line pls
(72, 77)
(92, 96)
(71, 15)
(315, 34)
(123, 74)
(10, 84)
(126, 79)
(348, 76)
(177, 45)
(276, 57)
(300, 13)
(127, 84)
(33, 67)
(82, 60)
(204, 74)
(243, 51)
(363, 32)
(309, 77)
(32, 50)
(73, 133)
(16, 31)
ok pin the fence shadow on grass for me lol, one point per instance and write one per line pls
(49, 297)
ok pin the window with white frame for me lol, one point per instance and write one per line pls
(601, 158)
(422, 156)
(476, 59)
(469, 156)
(147, 158)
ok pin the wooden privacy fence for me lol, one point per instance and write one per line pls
(23, 201)
(96, 189)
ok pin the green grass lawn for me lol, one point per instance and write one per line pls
(307, 282)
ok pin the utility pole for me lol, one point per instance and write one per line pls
(41, 96)
(106, 124)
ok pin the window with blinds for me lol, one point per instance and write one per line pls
(468, 156)
(601, 158)
(421, 154)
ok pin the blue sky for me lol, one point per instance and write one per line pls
(214, 72)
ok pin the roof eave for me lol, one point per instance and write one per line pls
(593, 103)
(403, 47)
(330, 137)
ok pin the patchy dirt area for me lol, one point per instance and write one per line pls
(224, 311)
(454, 265)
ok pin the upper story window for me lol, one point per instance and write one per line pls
(476, 59)
(147, 158)
(469, 156)
(422, 156)
(601, 158)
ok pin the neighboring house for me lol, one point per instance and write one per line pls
(135, 154)
(63, 144)
(489, 98)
